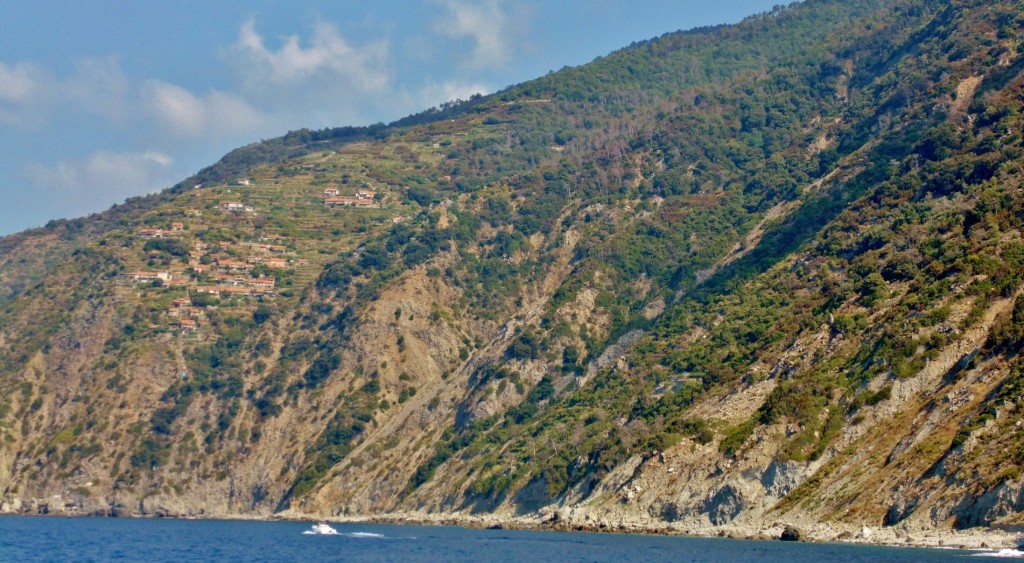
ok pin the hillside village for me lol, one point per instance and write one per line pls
(219, 249)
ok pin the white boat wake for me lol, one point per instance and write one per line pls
(323, 529)
(1001, 553)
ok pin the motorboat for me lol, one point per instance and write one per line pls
(321, 529)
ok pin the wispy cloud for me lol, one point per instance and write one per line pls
(76, 187)
(100, 86)
(485, 24)
(326, 55)
(31, 95)
(188, 115)
(312, 80)
(316, 80)
(438, 93)
(21, 82)
(24, 89)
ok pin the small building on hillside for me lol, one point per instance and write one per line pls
(228, 290)
(234, 265)
(266, 248)
(230, 279)
(181, 302)
(264, 282)
(348, 202)
(148, 276)
(179, 281)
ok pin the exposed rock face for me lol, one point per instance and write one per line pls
(781, 478)
(724, 506)
(1006, 499)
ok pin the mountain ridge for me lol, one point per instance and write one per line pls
(712, 280)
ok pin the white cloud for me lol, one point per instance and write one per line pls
(485, 24)
(77, 187)
(31, 95)
(22, 82)
(100, 86)
(175, 106)
(25, 89)
(326, 57)
(436, 94)
(188, 115)
(320, 79)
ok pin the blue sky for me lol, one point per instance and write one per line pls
(105, 99)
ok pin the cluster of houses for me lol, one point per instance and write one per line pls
(269, 255)
(222, 272)
(225, 283)
(363, 198)
(226, 275)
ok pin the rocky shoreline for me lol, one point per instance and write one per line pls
(975, 538)
(564, 520)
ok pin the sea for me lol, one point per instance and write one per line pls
(138, 540)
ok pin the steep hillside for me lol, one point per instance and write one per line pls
(726, 277)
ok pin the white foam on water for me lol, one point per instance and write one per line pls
(1001, 553)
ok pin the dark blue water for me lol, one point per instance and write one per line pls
(111, 539)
